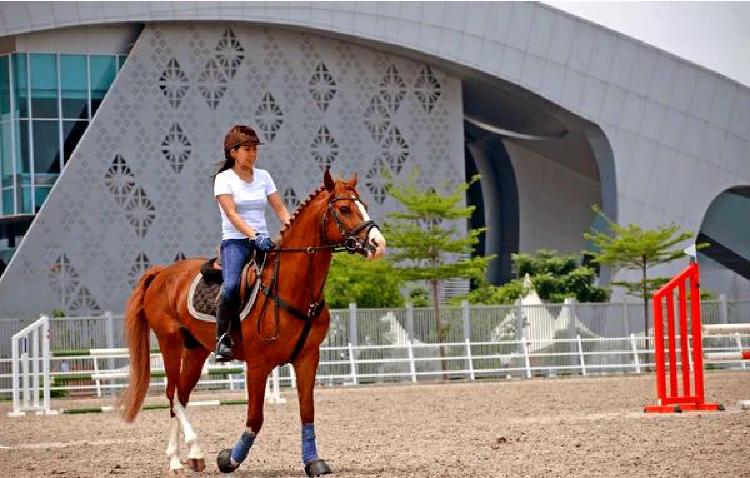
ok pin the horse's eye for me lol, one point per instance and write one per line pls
(345, 210)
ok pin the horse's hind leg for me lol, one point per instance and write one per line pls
(171, 358)
(192, 364)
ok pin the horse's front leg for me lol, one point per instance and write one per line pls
(229, 460)
(305, 367)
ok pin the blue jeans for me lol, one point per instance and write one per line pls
(235, 253)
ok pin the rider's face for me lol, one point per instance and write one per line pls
(245, 156)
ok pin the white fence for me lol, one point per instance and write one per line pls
(98, 372)
(386, 345)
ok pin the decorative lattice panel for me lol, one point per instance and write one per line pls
(138, 189)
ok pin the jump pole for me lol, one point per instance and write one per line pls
(676, 398)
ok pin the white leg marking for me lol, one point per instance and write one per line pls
(191, 439)
(173, 448)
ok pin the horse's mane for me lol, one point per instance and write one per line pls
(305, 203)
(300, 208)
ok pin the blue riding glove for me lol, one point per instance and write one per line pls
(264, 243)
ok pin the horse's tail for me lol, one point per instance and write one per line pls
(137, 332)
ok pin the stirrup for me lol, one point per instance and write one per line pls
(223, 352)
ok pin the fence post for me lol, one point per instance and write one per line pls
(352, 364)
(409, 321)
(520, 323)
(636, 359)
(110, 324)
(97, 381)
(412, 368)
(625, 321)
(466, 312)
(469, 360)
(353, 324)
(723, 309)
(25, 372)
(739, 347)
(45, 367)
(580, 354)
(467, 319)
(527, 362)
(35, 366)
(570, 304)
(16, 359)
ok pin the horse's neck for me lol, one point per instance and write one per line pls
(299, 271)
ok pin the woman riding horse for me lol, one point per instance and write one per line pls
(287, 324)
(243, 192)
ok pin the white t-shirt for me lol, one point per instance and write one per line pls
(250, 200)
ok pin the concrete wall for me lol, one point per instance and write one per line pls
(555, 202)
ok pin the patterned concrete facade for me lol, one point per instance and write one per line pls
(679, 134)
(138, 189)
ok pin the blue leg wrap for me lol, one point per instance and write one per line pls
(242, 447)
(309, 452)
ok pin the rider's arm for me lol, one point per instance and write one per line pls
(226, 201)
(274, 199)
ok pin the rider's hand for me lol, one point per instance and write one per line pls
(264, 243)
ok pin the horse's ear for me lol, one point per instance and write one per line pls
(328, 180)
(354, 179)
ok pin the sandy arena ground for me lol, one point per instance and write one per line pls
(541, 427)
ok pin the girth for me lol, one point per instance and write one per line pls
(313, 310)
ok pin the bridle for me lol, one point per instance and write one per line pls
(348, 243)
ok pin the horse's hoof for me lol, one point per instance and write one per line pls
(196, 464)
(317, 468)
(224, 460)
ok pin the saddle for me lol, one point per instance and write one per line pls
(205, 290)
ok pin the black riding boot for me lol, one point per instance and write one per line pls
(225, 314)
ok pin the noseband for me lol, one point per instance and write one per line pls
(351, 244)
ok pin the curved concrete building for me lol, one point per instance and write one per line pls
(113, 116)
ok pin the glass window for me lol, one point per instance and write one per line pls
(22, 147)
(40, 193)
(43, 85)
(72, 132)
(121, 61)
(74, 87)
(20, 85)
(46, 148)
(103, 70)
(8, 201)
(4, 88)
(23, 198)
(6, 158)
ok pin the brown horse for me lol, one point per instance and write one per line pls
(286, 325)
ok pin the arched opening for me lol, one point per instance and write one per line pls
(725, 263)
(542, 169)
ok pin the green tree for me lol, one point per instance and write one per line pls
(554, 276)
(372, 284)
(425, 243)
(633, 247)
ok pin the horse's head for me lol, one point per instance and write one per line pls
(346, 220)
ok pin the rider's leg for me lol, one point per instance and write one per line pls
(234, 254)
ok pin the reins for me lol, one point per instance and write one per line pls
(271, 291)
